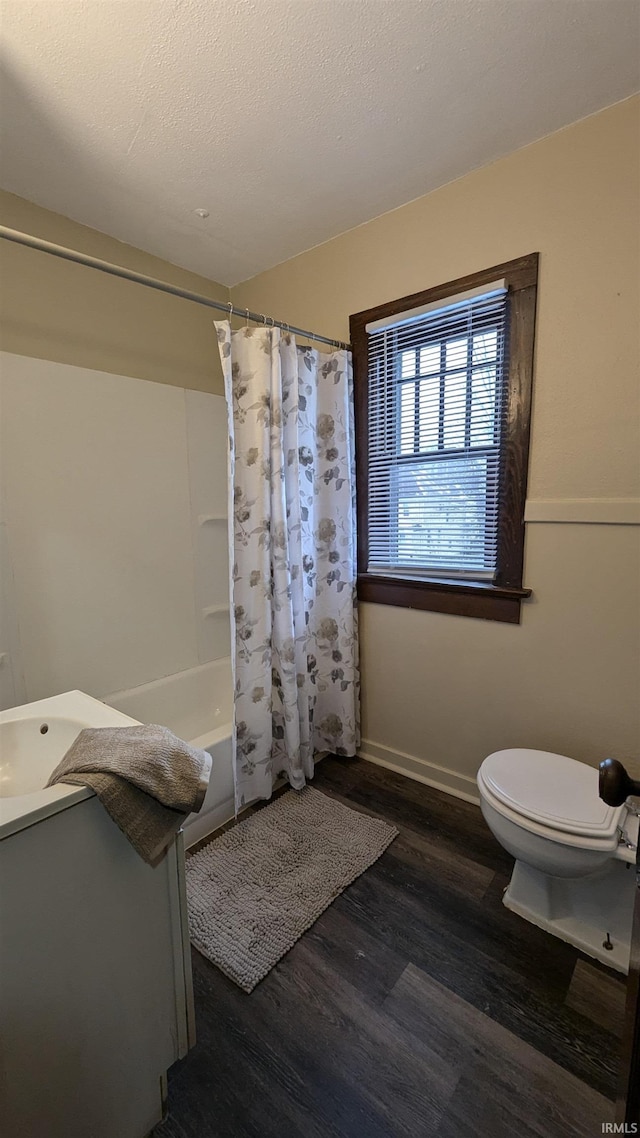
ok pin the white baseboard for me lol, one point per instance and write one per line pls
(459, 785)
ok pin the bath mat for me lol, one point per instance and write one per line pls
(257, 888)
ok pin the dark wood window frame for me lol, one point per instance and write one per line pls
(500, 599)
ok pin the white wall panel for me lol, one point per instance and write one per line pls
(97, 509)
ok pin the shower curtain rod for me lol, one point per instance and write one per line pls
(151, 282)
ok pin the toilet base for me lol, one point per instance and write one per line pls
(580, 910)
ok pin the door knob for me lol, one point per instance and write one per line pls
(615, 785)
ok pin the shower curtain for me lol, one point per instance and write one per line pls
(293, 556)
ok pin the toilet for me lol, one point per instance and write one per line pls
(575, 856)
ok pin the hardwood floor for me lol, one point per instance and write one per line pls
(417, 1006)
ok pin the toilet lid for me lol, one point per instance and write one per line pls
(552, 790)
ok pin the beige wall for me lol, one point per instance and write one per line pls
(55, 310)
(446, 689)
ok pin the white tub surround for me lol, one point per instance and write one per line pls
(93, 941)
(109, 572)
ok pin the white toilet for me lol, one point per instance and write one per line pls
(575, 855)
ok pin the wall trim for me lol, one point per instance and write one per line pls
(459, 785)
(593, 511)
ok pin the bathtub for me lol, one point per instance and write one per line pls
(197, 706)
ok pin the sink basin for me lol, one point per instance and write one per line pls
(33, 739)
(30, 748)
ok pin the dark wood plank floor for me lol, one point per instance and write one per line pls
(416, 1006)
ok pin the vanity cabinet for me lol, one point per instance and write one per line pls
(95, 978)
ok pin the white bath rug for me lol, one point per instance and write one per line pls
(257, 888)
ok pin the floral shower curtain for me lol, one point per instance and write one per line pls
(292, 536)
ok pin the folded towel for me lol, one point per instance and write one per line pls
(146, 778)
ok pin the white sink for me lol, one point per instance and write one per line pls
(33, 739)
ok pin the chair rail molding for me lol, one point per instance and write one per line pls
(586, 511)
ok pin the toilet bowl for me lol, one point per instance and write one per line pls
(574, 854)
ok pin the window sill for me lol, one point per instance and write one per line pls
(460, 598)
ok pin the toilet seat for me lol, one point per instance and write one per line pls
(550, 795)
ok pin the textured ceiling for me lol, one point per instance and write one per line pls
(289, 120)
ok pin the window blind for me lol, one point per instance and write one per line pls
(436, 405)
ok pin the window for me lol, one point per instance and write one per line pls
(443, 393)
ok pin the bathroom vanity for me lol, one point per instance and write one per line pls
(95, 978)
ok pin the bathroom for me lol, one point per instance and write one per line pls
(131, 137)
